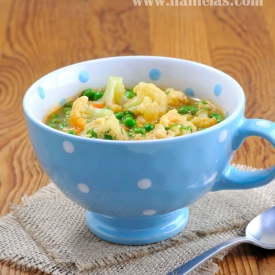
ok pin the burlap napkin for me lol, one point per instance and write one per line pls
(48, 233)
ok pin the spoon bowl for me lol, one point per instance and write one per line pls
(260, 232)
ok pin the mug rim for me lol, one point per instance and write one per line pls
(29, 114)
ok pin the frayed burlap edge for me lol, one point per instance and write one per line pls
(47, 266)
(10, 221)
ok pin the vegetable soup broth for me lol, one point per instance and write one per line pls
(142, 113)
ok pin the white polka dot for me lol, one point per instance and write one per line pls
(263, 124)
(83, 188)
(223, 136)
(144, 183)
(68, 146)
(149, 212)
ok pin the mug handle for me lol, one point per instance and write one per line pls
(233, 178)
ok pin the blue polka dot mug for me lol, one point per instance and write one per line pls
(138, 192)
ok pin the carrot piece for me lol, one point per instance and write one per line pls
(125, 127)
(97, 105)
(77, 130)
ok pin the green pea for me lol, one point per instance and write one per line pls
(120, 115)
(183, 127)
(188, 128)
(97, 95)
(92, 133)
(69, 104)
(174, 125)
(188, 110)
(63, 125)
(72, 132)
(93, 95)
(129, 121)
(67, 114)
(106, 136)
(130, 134)
(66, 109)
(149, 127)
(55, 120)
(139, 130)
(89, 93)
(217, 116)
(128, 112)
(129, 94)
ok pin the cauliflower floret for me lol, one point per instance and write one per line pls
(204, 122)
(147, 111)
(176, 98)
(114, 94)
(158, 133)
(105, 128)
(203, 104)
(83, 110)
(150, 102)
(171, 124)
(183, 129)
(202, 113)
(173, 117)
(177, 123)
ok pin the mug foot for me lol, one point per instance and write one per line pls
(137, 230)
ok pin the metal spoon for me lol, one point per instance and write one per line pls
(260, 231)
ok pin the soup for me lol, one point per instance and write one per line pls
(145, 112)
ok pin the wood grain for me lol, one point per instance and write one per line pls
(179, 36)
(245, 51)
(4, 15)
(37, 37)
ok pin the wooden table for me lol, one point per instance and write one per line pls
(38, 36)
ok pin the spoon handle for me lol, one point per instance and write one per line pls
(192, 264)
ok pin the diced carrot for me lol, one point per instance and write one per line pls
(77, 130)
(79, 123)
(125, 127)
(98, 105)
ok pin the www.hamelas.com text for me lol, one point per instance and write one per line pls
(190, 3)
